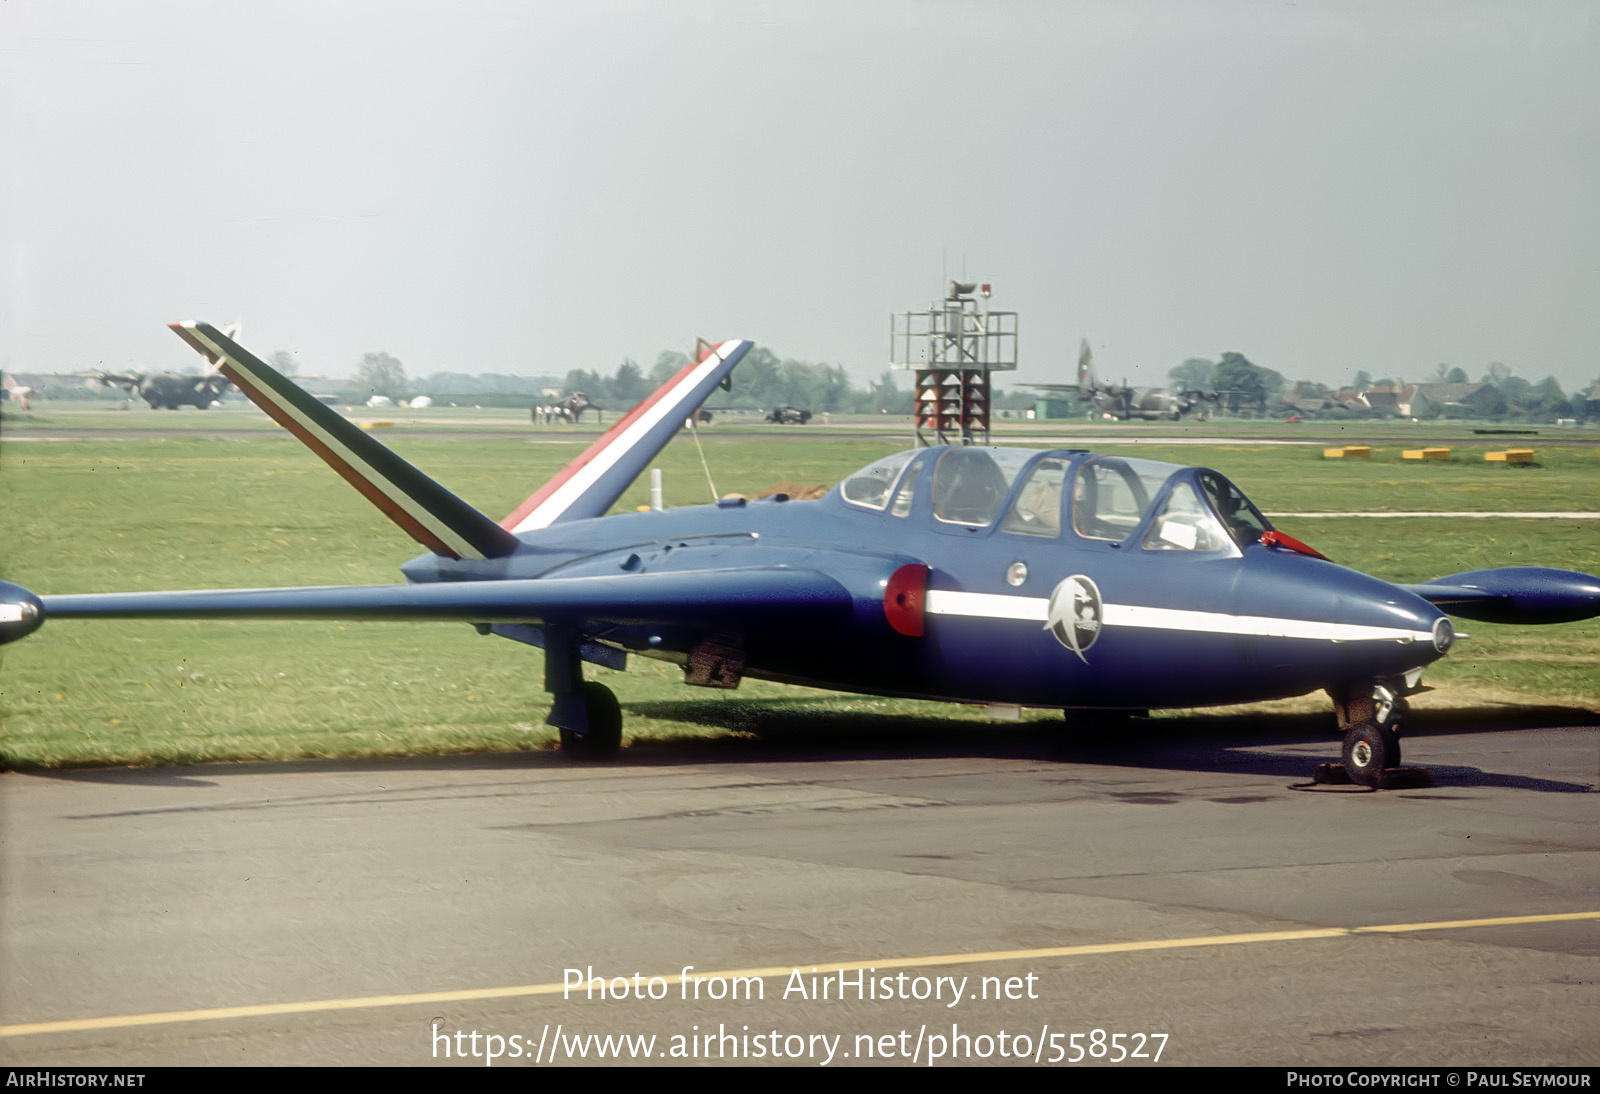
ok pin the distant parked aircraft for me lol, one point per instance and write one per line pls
(169, 390)
(1123, 402)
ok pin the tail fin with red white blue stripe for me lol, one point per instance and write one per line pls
(430, 514)
(592, 483)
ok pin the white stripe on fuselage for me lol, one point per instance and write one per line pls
(988, 605)
(1035, 610)
(586, 476)
(446, 535)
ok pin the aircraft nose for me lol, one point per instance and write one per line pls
(1425, 625)
(1377, 628)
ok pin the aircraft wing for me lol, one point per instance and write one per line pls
(710, 597)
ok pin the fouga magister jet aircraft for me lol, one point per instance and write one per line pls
(991, 575)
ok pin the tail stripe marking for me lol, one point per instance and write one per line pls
(553, 499)
(415, 519)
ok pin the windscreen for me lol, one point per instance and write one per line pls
(869, 487)
(1242, 519)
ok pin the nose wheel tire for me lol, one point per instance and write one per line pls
(603, 738)
(1368, 751)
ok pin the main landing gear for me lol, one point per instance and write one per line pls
(584, 711)
(603, 737)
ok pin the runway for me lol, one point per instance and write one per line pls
(244, 422)
(1168, 882)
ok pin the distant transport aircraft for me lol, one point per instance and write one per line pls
(166, 390)
(1123, 402)
(1060, 579)
(169, 390)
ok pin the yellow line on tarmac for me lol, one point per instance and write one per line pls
(1450, 924)
(261, 1010)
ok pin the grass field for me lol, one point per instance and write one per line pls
(197, 511)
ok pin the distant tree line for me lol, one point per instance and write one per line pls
(764, 381)
(1249, 389)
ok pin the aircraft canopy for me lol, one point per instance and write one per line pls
(1189, 509)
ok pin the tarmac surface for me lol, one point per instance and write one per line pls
(1167, 881)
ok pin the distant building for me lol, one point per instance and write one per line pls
(1433, 400)
(1305, 397)
(1389, 399)
(1463, 400)
(1348, 398)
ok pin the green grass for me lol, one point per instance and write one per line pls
(199, 512)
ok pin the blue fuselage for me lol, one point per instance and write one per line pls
(1014, 612)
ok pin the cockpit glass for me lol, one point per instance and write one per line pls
(1110, 495)
(1037, 510)
(970, 484)
(1242, 519)
(908, 490)
(869, 487)
(1184, 524)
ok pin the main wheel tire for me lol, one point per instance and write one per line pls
(1368, 751)
(604, 736)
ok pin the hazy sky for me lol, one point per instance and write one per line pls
(532, 187)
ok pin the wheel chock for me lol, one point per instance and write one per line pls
(1333, 777)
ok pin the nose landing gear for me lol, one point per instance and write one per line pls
(1369, 750)
(1370, 715)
